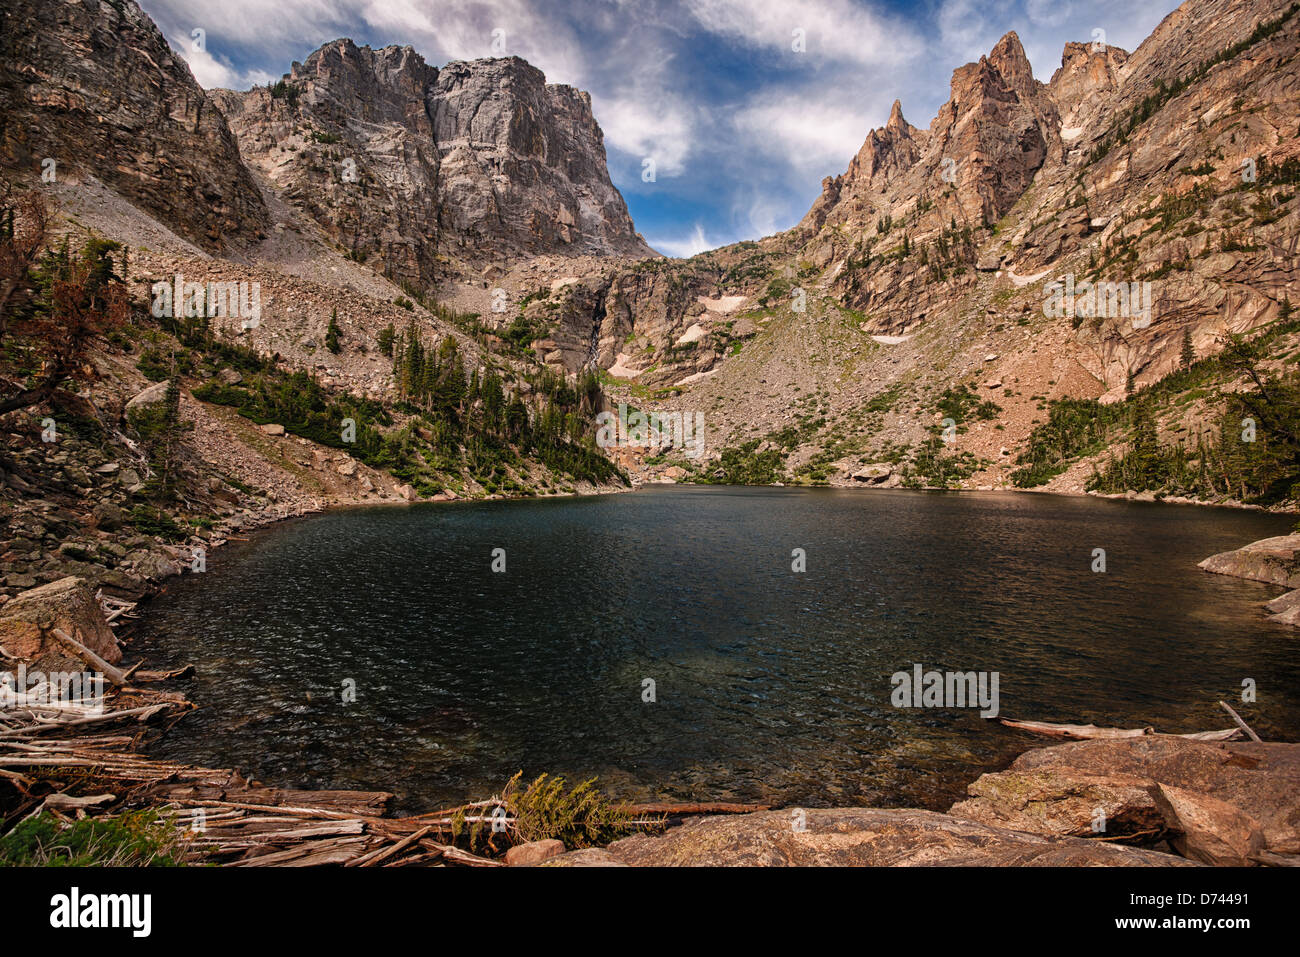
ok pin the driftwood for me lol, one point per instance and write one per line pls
(114, 675)
(1090, 731)
(381, 855)
(1240, 723)
(707, 807)
(184, 672)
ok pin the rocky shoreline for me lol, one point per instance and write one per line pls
(1275, 561)
(1148, 801)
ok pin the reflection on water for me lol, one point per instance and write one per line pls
(771, 686)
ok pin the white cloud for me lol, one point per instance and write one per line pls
(834, 29)
(685, 247)
(441, 31)
(1048, 13)
(652, 125)
(816, 136)
(212, 73)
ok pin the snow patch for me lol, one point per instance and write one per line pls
(694, 334)
(722, 304)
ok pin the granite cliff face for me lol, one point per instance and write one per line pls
(926, 264)
(93, 86)
(429, 173)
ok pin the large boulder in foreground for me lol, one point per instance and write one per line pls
(1146, 782)
(870, 837)
(1209, 830)
(1081, 805)
(1274, 560)
(28, 620)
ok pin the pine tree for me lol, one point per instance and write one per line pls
(332, 333)
(1188, 354)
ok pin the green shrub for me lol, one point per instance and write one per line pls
(134, 839)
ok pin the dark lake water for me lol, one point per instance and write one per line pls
(770, 685)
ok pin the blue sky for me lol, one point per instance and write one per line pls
(741, 126)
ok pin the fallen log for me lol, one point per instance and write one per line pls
(114, 675)
(70, 803)
(704, 807)
(1089, 732)
(186, 672)
(382, 855)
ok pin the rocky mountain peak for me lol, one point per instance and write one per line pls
(1088, 73)
(896, 122)
(374, 86)
(979, 154)
(474, 165)
(1008, 58)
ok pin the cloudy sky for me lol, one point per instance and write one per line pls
(743, 105)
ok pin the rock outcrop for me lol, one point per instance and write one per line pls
(1273, 560)
(408, 166)
(1219, 803)
(92, 86)
(855, 837)
(27, 623)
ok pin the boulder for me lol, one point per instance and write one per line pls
(1285, 609)
(1044, 802)
(348, 468)
(408, 492)
(153, 566)
(1261, 780)
(534, 852)
(151, 396)
(1272, 560)
(1209, 830)
(871, 837)
(108, 517)
(28, 620)
(874, 474)
(272, 429)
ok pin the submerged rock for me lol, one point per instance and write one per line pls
(1274, 560)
